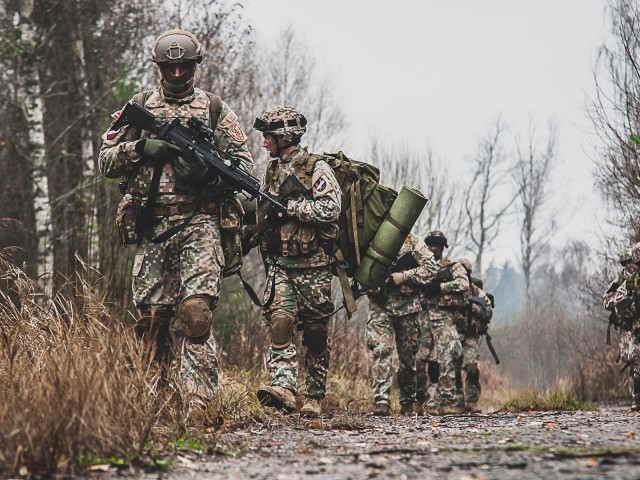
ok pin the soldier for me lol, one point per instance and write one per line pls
(395, 310)
(446, 297)
(621, 298)
(297, 252)
(178, 264)
(479, 313)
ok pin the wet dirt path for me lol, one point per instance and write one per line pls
(598, 444)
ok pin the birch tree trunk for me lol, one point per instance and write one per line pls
(30, 97)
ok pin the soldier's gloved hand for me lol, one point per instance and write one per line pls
(191, 169)
(157, 150)
(432, 289)
(397, 278)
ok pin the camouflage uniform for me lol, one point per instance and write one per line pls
(297, 257)
(469, 338)
(621, 299)
(396, 310)
(190, 262)
(446, 304)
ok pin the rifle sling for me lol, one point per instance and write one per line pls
(254, 296)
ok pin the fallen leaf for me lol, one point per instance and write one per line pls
(591, 462)
(104, 467)
(630, 435)
(551, 425)
(315, 424)
(306, 451)
(24, 471)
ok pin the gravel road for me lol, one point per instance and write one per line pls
(596, 444)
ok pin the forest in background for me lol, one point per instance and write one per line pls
(68, 65)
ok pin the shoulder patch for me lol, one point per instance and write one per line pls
(320, 185)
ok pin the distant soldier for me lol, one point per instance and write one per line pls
(297, 251)
(621, 299)
(446, 297)
(477, 318)
(179, 261)
(393, 312)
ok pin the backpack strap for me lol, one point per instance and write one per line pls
(215, 108)
(141, 97)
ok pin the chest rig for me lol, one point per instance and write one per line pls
(295, 238)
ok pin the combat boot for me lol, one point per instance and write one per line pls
(472, 408)
(311, 408)
(407, 409)
(451, 410)
(381, 409)
(277, 397)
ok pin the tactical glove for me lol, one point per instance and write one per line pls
(190, 169)
(432, 289)
(157, 150)
(444, 275)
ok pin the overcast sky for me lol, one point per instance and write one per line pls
(440, 72)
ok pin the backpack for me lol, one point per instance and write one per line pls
(365, 203)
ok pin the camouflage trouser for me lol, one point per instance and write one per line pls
(304, 293)
(447, 350)
(425, 359)
(378, 336)
(467, 366)
(189, 263)
(630, 353)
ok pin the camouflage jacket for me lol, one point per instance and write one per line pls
(620, 298)
(408, 297)
(118, 157)
(305, 239)
(454, 293)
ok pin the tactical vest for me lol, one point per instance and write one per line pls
(295, 238)
(203, 105)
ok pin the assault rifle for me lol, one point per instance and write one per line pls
(196, 139)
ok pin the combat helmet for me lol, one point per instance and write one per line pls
(626, 255)
(284, 122)
(176, 46)
(177, 53)
(466, 263)
(436, 237)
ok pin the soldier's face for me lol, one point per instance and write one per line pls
(436, 250)
(270, 144)
(631, 267)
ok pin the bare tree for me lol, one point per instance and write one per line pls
(531, 176)
(615, 113)
(484, 206)
(291, 77)
(401, 165)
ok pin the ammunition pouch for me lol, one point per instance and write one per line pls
(129, 220)
(231, 214)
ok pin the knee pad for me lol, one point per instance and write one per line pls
(315, 338)
(433, 369)
(473, 375)
(195, 318)
(281, 327)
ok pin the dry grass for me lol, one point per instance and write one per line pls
(558, 398)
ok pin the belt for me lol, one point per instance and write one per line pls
(170, 210)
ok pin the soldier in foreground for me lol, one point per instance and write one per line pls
(179, 261)
(394, 311)
(446, 297)
(478, 315)
(621, 299)
(297, 252)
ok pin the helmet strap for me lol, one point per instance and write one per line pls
(177, 90)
